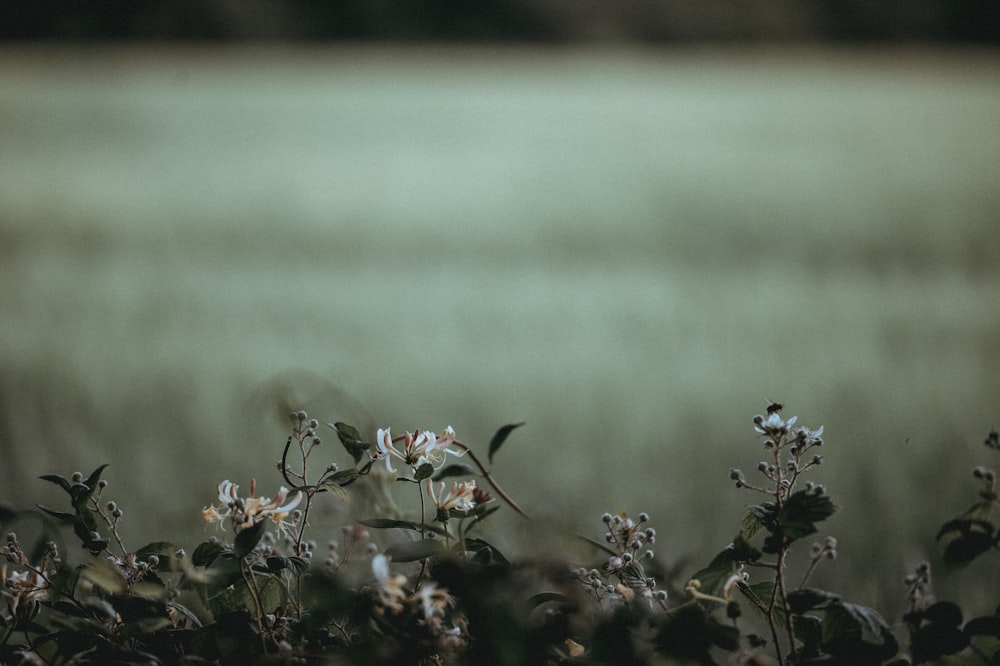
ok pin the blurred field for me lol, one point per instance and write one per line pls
(630, 251)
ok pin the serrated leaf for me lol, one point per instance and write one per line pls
(500, 437)
(205, 554)
(750, 525)
(159, 548)
(800, 513)
(713, 577)
(411, 551)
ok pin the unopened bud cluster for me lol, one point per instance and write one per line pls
(630, 542)
(826, 550)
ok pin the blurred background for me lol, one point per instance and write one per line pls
(629, 225)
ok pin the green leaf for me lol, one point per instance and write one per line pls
(455, 469)
(850, 630)
(713, 577)
(388, 523)
(342, 477)
(486, 553)
(750, 525)
(62, 516)
(806, 599)
(158, 548)
(411, 551)
(423, 472)
(500, 437)
(60, 481)
(801, 511)
(248, 538)
(351, 439)
(337, 491)
(206, 553)
(277, 564)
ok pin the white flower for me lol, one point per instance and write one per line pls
(390, 588)
(419, 447)
(247, 511)
(461, 496)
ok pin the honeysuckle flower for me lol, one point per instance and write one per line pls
(461, 497)
(419, 447)
(390, 588)
(433, 601)
(247, 511)
(24, 587)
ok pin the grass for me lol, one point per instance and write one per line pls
(631, 251)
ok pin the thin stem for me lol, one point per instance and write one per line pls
(493, 484)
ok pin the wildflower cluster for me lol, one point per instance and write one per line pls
(26, 584)
(428, 606)
(622, 576)
(433, 591)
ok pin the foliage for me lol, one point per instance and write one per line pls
(433, 589)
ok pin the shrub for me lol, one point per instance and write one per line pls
(262, 590)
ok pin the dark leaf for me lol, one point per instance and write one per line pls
(713, 577)
(763, 513)
(988, 625)
(341, 478)
(205, 554)
(159, 548)
(62, 516)
(806, 599)
(501, 436)
(455, 469)
(351, 439)
(800, 513)
(964, 549)
(61, 481)
(423, 472)
(966, 526)
(546, 597)
(488, 552)
(248, 538)
(388, 523)
(297, 564)
(933, 641)
(415, 550)
(945, 613)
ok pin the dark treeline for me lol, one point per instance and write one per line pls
(548, 21)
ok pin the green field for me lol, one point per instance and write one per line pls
(630, 251)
